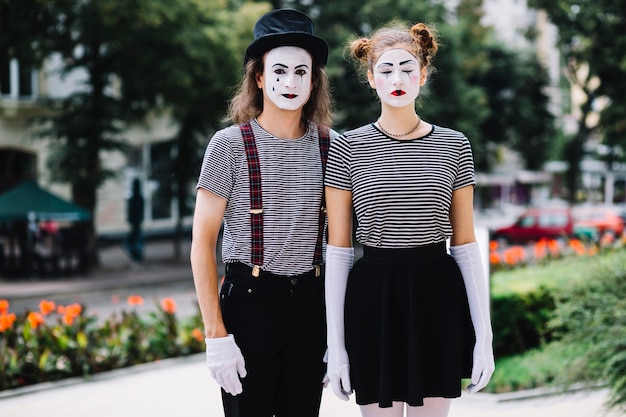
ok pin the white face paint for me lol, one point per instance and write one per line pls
(397, 77)
(286, 78)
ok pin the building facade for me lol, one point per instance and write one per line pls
(24, 158)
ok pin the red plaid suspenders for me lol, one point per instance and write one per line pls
(256, 199)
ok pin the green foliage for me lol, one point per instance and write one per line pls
(520, 320)
(594, 312)
(584, 335)
(466, 67)
(592, 41)
(540, 367)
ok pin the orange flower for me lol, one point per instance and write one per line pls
(135, 300)
(607, 239)
(35, 319)
(61, 310)
(168, 305)
(4, 306)
(46, 307)
(577, 246)
(493, 245)
(494, 258)
(197, 334)
(540, 249)
(6, 321)
(71, 312)
(553, 246)
(514, 255)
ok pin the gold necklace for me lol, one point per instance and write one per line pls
(419, 120)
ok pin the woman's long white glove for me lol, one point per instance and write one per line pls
(338, 264)
(468, 258)
(225, 363)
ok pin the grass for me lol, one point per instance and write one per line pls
(555, 274)
(537, 368)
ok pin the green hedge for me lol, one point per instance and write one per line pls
(520, 320)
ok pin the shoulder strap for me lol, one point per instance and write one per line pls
(256, 198)
(324, 143)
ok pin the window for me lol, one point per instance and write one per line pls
(17, 81)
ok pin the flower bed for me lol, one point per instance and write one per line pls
(60, 341)
(515, 256)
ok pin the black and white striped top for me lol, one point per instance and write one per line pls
(401, 189)
(292, 185)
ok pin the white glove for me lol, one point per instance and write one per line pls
(338, 264)
(468, 258)
(226, 363)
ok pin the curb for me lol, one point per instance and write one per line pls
(100, 280)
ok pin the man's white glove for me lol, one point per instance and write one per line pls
(225, 363)
(338, 264)
(468, 258)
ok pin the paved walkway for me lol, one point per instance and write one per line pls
(182, 386)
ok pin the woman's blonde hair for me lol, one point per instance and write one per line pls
(419, 40)
(248, 102)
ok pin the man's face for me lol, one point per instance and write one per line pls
(286, 79)
(397, 77)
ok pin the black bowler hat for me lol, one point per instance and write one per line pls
(286, 27)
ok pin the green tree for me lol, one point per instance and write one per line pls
(21, 22)
(90, 120)
(591, 40)
(519, 118)
(205, 43)
(461, 92)
(141, 57)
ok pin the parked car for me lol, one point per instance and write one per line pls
(595, 222)
(538, 223)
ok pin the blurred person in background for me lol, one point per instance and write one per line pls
(134, 215)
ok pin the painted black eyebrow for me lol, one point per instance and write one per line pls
(408, 61)
(285, 66)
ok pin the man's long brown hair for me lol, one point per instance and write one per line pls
(248, 102)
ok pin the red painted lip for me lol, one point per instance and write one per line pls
(397, 93)
(290, 96)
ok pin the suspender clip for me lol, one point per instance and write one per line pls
(318, 271)
(256, 211)
(256, 271)
(323, 209)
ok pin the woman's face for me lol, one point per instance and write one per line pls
(397, 77)
(287, 77)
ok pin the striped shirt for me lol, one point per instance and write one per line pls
(401, 189)
(292, 186)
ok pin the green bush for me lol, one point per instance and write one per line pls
(520, 320)
(594, 313)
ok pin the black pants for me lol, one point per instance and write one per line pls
(279, 325)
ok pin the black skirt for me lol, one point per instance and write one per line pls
(409, 334)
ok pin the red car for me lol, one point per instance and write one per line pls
(597, 221)
(536, 224)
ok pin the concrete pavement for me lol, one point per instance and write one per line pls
(182, 386)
